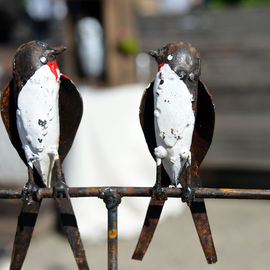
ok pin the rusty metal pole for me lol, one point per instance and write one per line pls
(196, 193)
(112, 200)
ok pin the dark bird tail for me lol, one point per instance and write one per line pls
(25, 227)
(201, 222)
(26, 223)
(150, 223)
(70, 228)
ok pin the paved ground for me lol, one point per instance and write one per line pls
(240, 229)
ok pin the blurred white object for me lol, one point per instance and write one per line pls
(12, 169)
(143, 64)
(174, 6)
(42, 10)
(110, 150)
(90, 46)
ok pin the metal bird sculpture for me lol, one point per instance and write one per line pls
(177, 117)
(42, 109)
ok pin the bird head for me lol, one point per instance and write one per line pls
(30, 56)
(182, 58)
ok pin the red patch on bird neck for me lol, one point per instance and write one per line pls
(65, 76)
(53, 67)
(160, 65)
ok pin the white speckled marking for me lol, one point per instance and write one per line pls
(38, 121)
(175, 123)
(170, 57)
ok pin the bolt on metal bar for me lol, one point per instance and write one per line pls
(206, 193)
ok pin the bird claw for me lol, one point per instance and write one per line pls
(60, 190)
(29, 193)
(159, 193)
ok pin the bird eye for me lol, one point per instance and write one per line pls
(43, 60)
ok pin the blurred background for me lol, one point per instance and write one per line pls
(107, 59)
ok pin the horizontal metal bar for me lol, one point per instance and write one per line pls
(232, 193)
(207, 193)
(92, 192)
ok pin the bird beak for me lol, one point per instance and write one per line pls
(57, 50)
(153, 53)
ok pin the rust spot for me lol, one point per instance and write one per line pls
(226, 189)
(79, 260)
(112, 233)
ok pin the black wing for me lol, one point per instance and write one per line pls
(70, 110)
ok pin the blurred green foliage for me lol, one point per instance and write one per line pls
(129, 46)
(221, 3)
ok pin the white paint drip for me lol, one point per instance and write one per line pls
(175, 122)
(38, 121)
(156, 113)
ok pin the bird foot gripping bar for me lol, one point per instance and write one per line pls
(112, 198)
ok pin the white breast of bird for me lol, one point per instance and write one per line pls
(174, 121)
(38, 121)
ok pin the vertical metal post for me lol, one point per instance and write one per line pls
(112, 200)
(112, 239)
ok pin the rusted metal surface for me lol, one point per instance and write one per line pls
(197, 193)
(200, 219)
(112, 239)
(25, 62)
(152, 217)
(67, 218)
(112, 197)
(229, 193)
(26, 223)
(112, 200)
(70, 228)
(186, 64)
(70, 101)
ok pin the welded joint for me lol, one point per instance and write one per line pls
(29, 193)
(159, 193)
(188, 195)
(110, 198)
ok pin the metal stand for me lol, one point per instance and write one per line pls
(112, 198)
